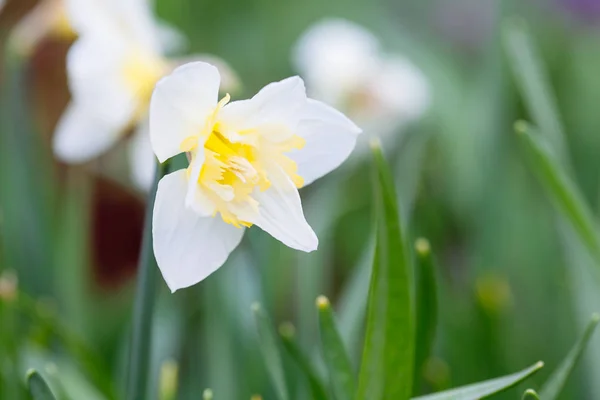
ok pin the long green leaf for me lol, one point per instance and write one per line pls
(563, 192)
(144, 303)
(38, 388)
(387, 364)
(531, 395)
(484, 389)
(340, 370)
(427, 307)
(270, 351)
(532, 81)
(287, 333)
(556, 382)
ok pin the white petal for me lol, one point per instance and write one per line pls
(141, 157)
(336, 56)
(330, 138)
(180, 104)
(280, 213)
(96, 79)
(129, 20)
(277, 103)
(401, 89)
(81, 135)
(187, 247)
(196, 198)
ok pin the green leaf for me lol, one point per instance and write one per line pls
(287, 333)
(427, 307)
(556, 382)
(532, 81)
(386, 371)
(270, 351)
(561, 189)
(139, 357)
(38, 388)
(530, 394)
(484, 389)
(336, 358)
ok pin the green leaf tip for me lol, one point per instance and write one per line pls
(552, 388)
(422, 246)
(287, 330)
(530, 394)
(207, 394)
(375, 143)
(486, 388)
(521, 126)
(38, 387)
(323, 303)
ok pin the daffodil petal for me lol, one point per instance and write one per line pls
(330, 138)
(280, 213)
(278, 103)
(188, 247)
(336, 56)
(95, 70)
(141, 157)
(180, 105)
(81, 135)
(195, 197)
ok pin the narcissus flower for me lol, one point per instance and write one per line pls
(247, 160)
(112, 69)
(344, 65)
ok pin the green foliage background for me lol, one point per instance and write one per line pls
(515, 286)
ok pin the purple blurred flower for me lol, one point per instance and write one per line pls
(587, 10)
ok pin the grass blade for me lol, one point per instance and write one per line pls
(336, 358)
(563, 192)
(270, 351)
(38, 388)
(286, 333)
(530, 394)
(386, 370)
(532, 81)
(555, 383)
(427, 307)
(484, 389)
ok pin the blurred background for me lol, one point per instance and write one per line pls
(439, 93)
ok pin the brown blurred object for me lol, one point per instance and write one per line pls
(117, 233)
(117, 212)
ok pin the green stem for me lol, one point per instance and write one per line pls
(144, 304)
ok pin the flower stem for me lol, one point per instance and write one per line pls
(141, 337)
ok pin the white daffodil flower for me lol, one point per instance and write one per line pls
(112, 69)
(248, 159)
(344, 66)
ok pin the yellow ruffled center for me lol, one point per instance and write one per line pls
(233, 169)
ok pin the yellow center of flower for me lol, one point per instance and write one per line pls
(233, 169)
(141, 70)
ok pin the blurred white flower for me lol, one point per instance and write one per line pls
(344, 65)
(248, 159)
(112, 69)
